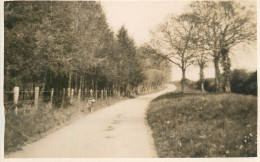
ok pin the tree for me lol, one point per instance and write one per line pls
(226, 24)
(21, 49)
(68, 44)
(173, 40)
(201, 61)
(156, 69)
(129, 68)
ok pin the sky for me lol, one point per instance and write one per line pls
(139, 17)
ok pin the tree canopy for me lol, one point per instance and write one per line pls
(59, 45)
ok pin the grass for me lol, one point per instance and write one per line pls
(204, 125)
(25, 128)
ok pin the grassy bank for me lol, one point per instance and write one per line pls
(31, 126)
(204, 125)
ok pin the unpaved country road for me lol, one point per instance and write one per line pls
(118, 131)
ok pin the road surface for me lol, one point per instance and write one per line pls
(118, 131)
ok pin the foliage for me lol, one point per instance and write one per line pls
(67, 44)
(156, 69)
(243, 82)
(209, 85)
(224, 25)
(208, 30)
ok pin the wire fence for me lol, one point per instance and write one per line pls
(22, 100)
(29, 100)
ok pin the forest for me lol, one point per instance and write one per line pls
(70, 45)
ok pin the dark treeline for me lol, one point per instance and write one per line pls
(70, 45)
(242, 82)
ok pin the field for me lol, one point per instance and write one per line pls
(204, 124)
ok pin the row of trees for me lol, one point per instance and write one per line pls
(69, 44)
(208, 31)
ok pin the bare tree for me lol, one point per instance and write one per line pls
(173, 40)
(226, 24)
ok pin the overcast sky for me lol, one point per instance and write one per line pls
(140, 17)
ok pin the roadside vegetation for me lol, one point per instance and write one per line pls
(242, 82)
(195, 124)
(28, 127)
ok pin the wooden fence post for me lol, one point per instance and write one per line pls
(69, 92)
(102, 94)
(16, 97)
(86, 93)
(96, 93)
(91, 93)
(36, 97)
(52, 92)
(71, 96)
(63, 97)
(79, 95)
(106, 94)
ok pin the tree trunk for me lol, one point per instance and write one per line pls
(183, 79)
(42, 89)
(227, 86)
(69, 85)
(202, 78)
(128, 89)
(202, 86)
(76, 83)
(92, 83)
(80, 82)
(226, 63)
(217, 75)
(96, 86)
(43, 86)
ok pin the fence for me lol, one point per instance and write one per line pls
(17, 99)
(29, 100)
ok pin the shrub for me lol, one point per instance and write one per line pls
(209, 85)
(243, 82)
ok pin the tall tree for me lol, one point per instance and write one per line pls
(173, 40)
(128, 65)
(226, 24)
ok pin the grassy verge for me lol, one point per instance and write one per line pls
(31, 126)
(204, 125)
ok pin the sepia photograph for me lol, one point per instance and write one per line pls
(129, 79)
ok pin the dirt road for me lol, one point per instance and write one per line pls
(120, 130)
